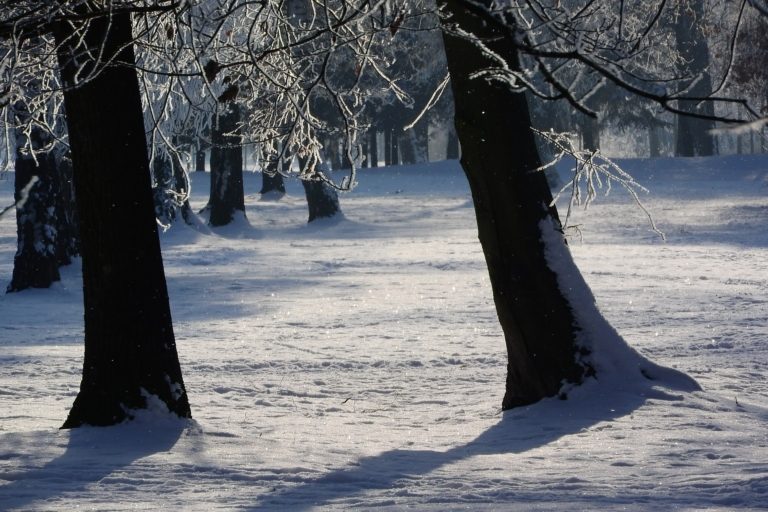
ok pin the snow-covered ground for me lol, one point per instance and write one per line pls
(359, 363)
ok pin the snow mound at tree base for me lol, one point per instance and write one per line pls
(616, 364)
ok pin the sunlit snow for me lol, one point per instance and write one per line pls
(358, 363)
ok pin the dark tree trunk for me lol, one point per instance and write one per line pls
(499, 157)
(272, 183)
(395, 148)
(365, 158)
(409, 149)
(227, 194)
(36, 264)
(387, 146)
(654, 141)
(169, 188)
(373, 146)
(693, 135)
(130, 351)
(452, 150)
(590, 134)
(200, 160)
(68, 229)
(322, 200)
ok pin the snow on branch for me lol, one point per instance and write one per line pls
(592, 172)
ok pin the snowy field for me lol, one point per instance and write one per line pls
(359, 364)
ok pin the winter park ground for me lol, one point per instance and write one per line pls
(359, 363)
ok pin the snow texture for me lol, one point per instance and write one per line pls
(359, 364)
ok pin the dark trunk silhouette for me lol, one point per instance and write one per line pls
(322, 199)
(200, 160)
(170, 189)
(511, 200)
(68, 229)
(452, 150)
(272, 183)
(227, 194)
(130, 351)
(590, 133)
(36, 264)
(373, 146)
(693, 137)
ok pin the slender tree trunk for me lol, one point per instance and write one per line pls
(130, 350)
(36, 264)
(511, 204)
(373, 145)
(68, 229)
(590, 134)
(693, 135)
(387, 146)
(452, 150)
(200, 159)
(227, 194)
(654, 142)
(395, 133)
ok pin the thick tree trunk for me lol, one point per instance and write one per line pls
(130, 351)
(322, 200)
(36, 264)
(272, 183)
(693, 134)
(227, 195)
(511, 201)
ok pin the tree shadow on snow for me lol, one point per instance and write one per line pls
(92, 455)
(518, 431)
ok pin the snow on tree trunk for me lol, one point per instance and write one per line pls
(36, 264)
(554, 340)
(169, 189)
(130, 351)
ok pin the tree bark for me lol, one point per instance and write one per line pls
(452, 151)
(511, 200)
(590, 134)
(200, 160)
(322, 200)
(36, 263)
(272, 183)
(227, 195)
(68, 229)
(373, 146)
(130, 350)
(693, 134)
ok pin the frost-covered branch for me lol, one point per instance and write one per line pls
(592, 172)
